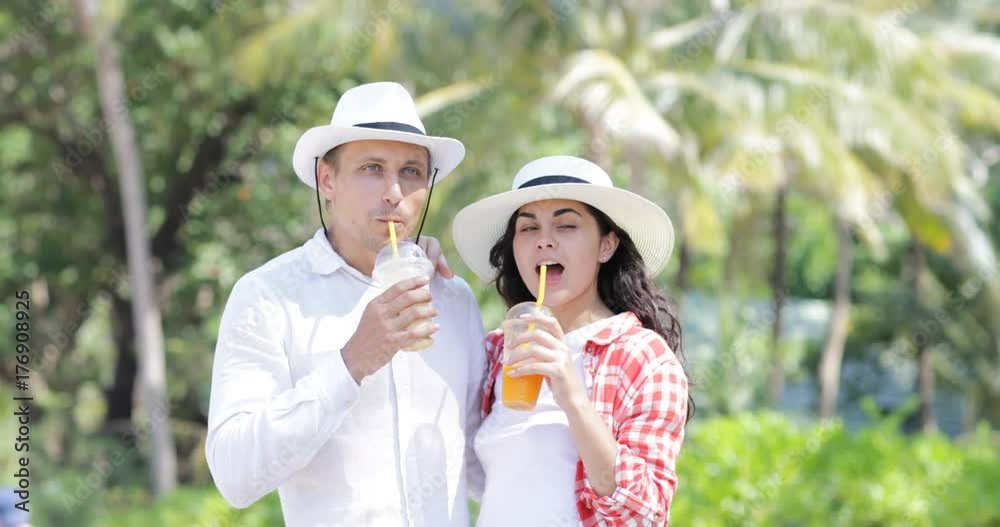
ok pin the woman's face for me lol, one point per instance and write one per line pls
(565, 236)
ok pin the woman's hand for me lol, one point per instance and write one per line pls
(545, 353)
(546, 347)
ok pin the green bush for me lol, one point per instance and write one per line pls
(765, 470)
(746, 470)
(195, 507)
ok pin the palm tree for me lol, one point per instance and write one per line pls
(925, 377)
(611, 78)
(145, 309)
(859, 121)
(823, 99)
(833, 352)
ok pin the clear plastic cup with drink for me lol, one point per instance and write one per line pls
(391, 269)
(520, 393)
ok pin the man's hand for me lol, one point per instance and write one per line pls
(383, 331)
(432, 248)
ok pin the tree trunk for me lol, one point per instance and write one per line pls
(598, 149)
(833, 352)
(776, 377)
(925, 380)
(728, 326)
(927, 419)
(145, 308)
(638, 173)
(683, 266)
(119, 396)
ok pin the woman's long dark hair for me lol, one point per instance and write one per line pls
(622, 284)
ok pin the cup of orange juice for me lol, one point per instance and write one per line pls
(520, 393)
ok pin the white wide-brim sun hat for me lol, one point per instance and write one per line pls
(379, 110)
(478, 227)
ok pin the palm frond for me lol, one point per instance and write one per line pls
(599, 86)
(436, 100)
(674, 36)
(922, 145)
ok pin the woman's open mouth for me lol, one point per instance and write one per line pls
(553, 272)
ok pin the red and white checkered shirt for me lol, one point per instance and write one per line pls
(638, 386)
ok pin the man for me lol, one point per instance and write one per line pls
(310, 395)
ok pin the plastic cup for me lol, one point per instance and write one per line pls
(520, 393)
(411, 263)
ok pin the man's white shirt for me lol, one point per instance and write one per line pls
(286, 414)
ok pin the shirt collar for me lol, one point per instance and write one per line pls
(617, 326)
(320, 256)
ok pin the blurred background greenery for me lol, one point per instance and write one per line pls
(831, 169)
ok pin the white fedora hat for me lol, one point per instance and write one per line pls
(480, 225)
(380, 110)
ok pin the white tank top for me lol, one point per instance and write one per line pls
(530, 458)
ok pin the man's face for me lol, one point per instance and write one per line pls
(371, 183)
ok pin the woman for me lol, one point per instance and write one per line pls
(600, 446)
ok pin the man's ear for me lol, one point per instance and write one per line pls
(327, 179)
(609, 244)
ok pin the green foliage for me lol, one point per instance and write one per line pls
(766, 470)
(883, 109)
(192, 506)
(748, 470)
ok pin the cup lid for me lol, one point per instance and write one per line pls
(406, 250)
(527, 307)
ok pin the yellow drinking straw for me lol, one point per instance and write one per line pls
(541, 292)
(531, 325)
(392, 240)
(541, 285)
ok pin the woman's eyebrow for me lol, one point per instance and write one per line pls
(560, 212)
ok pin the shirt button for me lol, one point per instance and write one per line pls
(657, 516)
